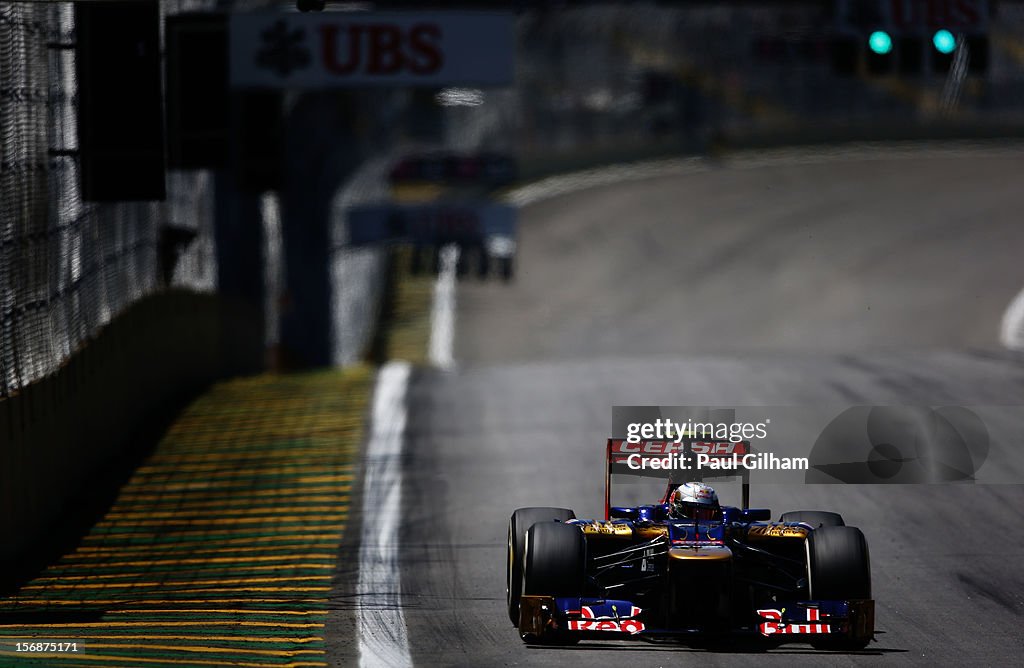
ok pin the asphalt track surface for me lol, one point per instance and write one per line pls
(870, 280)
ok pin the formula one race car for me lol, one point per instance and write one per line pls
(687, 567)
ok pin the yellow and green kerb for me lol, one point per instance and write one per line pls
(221, 548)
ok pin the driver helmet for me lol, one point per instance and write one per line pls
(694, 501)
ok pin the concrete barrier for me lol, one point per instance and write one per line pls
(70, 439)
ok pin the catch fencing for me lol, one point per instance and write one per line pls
(67, 266)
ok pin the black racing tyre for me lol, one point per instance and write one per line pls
(838, 568)
(506, 269)
(816, 518)
(838, 565)
(416, 261)
(555, 560)
(483, 266)
(554, 564)
(518, 525)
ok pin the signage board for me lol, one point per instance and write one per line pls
(341, 49)
(911, 17)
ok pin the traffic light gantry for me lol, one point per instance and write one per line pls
(880, 53)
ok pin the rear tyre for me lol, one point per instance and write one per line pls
(518, 525)
(838, 568)
(483, 266)
(506, 268)
(416, 262)
(816, 518)
(554, 564)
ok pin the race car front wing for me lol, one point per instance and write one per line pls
(547, 616)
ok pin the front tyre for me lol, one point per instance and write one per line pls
(554, 564)
(518, 525)
(555, 560)
(839, 568)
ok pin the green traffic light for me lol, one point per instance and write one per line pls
(880, 42)
(944, 41)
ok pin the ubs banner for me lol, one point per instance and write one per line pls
(339, 49)
(912, 16)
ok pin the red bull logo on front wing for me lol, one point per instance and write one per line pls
(620, 624)
(773, 623)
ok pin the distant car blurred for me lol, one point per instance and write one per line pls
(450, 168)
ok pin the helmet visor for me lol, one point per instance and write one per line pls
(693, 511)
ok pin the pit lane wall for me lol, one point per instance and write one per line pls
(71, 437)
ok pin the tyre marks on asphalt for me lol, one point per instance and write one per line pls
(221, 548)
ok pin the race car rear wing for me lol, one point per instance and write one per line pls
(675, 461)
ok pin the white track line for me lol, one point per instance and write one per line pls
(570, 182)
(563, 184)
(1012, 333)
(383, 639)
(442, 312)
